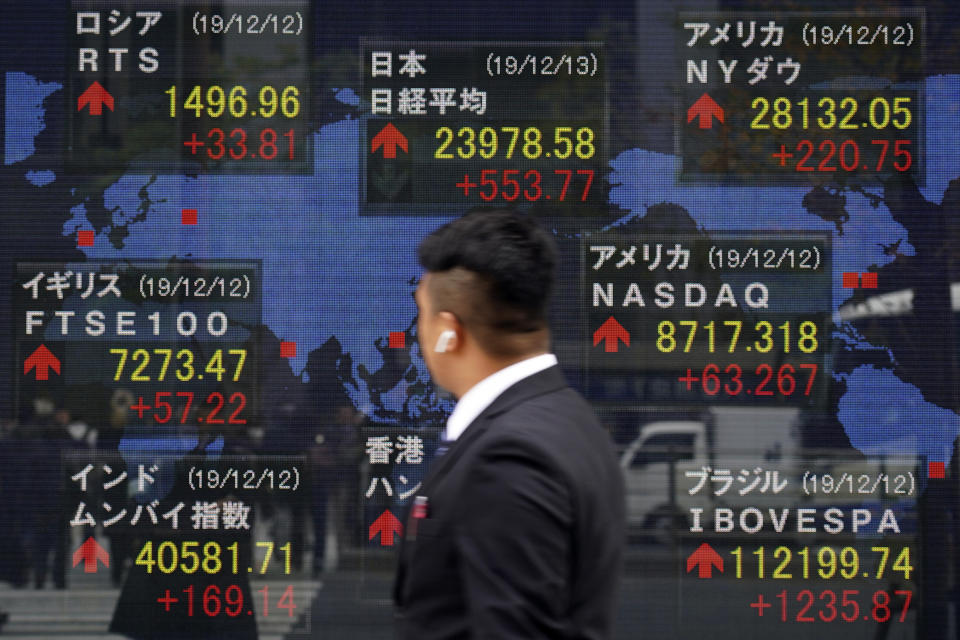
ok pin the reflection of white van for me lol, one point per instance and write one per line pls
(733, 439)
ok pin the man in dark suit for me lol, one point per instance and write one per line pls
(517, 530)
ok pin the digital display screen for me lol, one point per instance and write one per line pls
(215, 414)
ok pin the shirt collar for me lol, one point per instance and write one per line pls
(481, 395)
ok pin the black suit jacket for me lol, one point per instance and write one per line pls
(524, 528)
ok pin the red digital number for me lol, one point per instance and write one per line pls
(241, 143)
(848, 155)
(217, 397)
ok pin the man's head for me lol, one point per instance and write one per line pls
(484, 296)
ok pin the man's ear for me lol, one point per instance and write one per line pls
(443, 341)
(451, 335)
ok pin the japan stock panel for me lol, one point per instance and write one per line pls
(718, 347)
(460, 124)
(161, 360)
(722, 318)
(789, 98)
(189, 88)
(171, 338)
(204, 561)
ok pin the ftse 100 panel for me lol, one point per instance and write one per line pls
(216, 417)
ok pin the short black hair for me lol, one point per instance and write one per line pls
(499, 265)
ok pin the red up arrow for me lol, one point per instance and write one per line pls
(705, 108)
(42, 360)
(705, 559)
(96, 96)
(386, 525)
(611, 331)
(90, 551)
(389, 138)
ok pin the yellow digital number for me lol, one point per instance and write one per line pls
(242, 353)
(884, 555)
(290, 102)
(849, 563)
(145, 557)
(186, 367)
(738, 554)
(900, 108)
(488, 142)
(238, 102)
(172, 92)
(782, 117)
(164, 566)
(446, 135)
(532, 148)
(194, 102)
(468, 142)
(851, 105)
(764, 105)
(215, 365)
(211, 552)
(767, 336)
(137, 375)
(266, 556)
(186, 553)
(186, 557)
(902, 563)
(167, 354)
(808, 337)
(737, 326)
(216, 101)
(565, 141)
(779, 573)
(827, 559)
(513, 140)
(829, 106)
(268, 101)
(875, 122)
(690, 335)
(585, 148)
(123, 360)
(665, 340)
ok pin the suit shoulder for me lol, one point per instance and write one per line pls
(561, 414)
(553, 427)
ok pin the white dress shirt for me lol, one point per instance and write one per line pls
(481, 395)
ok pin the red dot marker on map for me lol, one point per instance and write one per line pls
(288, 349)
(188, 216)
(85, 238)
(851, 280)
(936, 470)
(398, 340)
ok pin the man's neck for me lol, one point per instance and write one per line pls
(488, 366)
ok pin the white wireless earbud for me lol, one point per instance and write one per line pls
(444, 340)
